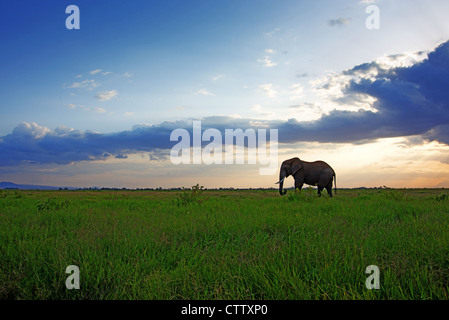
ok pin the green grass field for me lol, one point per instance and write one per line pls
(224, 244)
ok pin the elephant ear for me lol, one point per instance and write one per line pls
(296, 166)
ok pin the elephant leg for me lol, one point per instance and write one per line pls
(299, 183)
(329, 188)
(320, 188)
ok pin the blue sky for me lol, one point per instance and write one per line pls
(336, 91)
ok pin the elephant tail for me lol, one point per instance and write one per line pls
(335, 181)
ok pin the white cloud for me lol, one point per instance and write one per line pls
(297, 91)
(31, 130)
(270, 51)
(128, 114)
(271, 33)
(74, 106)
(85, 84)
(106, 95)
(94, 72)
(268, 90)
(256, 107)
(217, 77)
(261, 113)
(331, 88)
(306, 112)
(267, 62)
(204, 92)
(403, 60)
(97, 71)
(100, 110)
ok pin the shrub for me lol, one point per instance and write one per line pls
(392, 194)
(52, 204)
(189, 196)
(15, 195)
(442, 197)
(307, 195)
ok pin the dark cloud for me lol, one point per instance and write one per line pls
(338, 22)
(408, 101)
(31, 143)
(439, 133)
(302, 75)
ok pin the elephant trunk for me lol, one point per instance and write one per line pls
(282, 177)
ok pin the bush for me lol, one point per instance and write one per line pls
(52, 204)
(15, 195)
(442, 197)
(392, 194)
(307, 195)
(189, 196)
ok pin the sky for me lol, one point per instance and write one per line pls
(96, 106)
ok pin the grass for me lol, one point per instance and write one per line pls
(203, 244)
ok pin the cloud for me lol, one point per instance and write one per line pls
(296, 91)
(268, 90)
(259, 111)
(271, 33)
(85, 84)
(106, 95)
(84, 108)
(338, 22)
(204, 92)
(306, 111)
(405, 101)
(30, 143)
(97, 71)
(217, 77)
(30, 130)
(94, 72)
(100, 110)
(267, 62)
(256, 108)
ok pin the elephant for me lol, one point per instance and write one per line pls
(317, 173)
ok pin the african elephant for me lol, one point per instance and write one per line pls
(317, 173)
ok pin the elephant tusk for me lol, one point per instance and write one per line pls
(281, 180)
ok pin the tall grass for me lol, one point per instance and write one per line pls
(225, 245)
